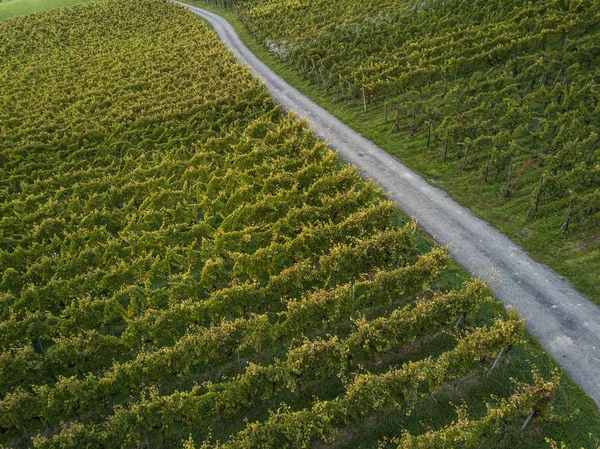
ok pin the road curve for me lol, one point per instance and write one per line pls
(566, 323)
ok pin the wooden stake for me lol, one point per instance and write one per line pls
(464, 164)
(528, 420)
(538, 196)
(556, 80)
(533, 80)
(565, 225)
(364, 99)
(40, 343)
(395, 126)
(445, 149)
(460, 318)
(507, 192)
(411, 128)
(497, 360)
(487, 166)
(589, 159)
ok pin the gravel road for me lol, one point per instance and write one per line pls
(565, 322)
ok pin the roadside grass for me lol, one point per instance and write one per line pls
(574, 254)
(16, 8)
(584, 418)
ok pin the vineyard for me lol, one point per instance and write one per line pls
(185, 265)
(495, 102)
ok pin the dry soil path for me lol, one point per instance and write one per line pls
(565, 322)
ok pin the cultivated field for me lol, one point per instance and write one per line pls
(496, 102)
(182, 262)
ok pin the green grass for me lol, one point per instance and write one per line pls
(16, 8)
(565, 253)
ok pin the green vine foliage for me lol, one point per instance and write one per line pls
(498, 100)
(178, 254)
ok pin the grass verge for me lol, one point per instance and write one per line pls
(16, 8)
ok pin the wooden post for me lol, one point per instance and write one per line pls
(364, 99)
(594, 147)
(322, 79)
(395, 126)
(445, 149)
(565, 225)
(528, 420)
(497, 360)
(460, 318)
(40, 343)
(428, 131)
(542, 79)
(507, 191)
(464, 164)
(538, 196)
(487, 166)
(533, 80)
(556, 80)
(411, 128)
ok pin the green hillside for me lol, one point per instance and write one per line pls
(496, 102)
(182, 264)
(16, 8)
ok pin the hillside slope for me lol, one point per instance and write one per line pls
(495, 102)
(16, 8)
(181, 259)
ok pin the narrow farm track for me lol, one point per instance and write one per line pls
(565, 322)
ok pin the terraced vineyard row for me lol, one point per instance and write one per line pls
(182, 261)
(497, 100)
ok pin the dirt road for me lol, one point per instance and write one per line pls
(565, 322)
